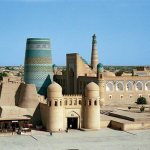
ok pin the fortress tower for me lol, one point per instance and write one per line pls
(94, 55)
(92, 107)
(100, 81)
(38, 64)
(55, 107)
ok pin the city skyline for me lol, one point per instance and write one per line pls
(122, 29)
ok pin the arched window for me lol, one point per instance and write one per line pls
(139, 86)
(109, 86)
(60, 103)
(110, 96)
(95, 102)
(129, 86)
(119, 86)
(147, 87)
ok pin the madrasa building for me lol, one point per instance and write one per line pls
(58, 101)
(76, 97)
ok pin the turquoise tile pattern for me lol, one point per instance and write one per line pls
(38, 64)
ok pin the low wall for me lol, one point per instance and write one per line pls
(129, 126)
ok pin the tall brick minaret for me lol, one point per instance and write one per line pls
(94, 55)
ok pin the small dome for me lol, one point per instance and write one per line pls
(109, 74)
(10, 74)
(100, 65)
(54, 87)
(92, 87)
(84, 61)
(54, 65)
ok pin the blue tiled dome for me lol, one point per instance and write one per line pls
(54, 65)
(85, 61)
(100, 67)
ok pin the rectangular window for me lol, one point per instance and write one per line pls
(55, 104)
(79, 102)
(49, 103)
(65, 102)
(60, 103)
(95, 102)
(70, 102)
(89, 102)
(75, 102)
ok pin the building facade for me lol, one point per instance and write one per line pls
(114, 90)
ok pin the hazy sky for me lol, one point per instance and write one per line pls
(122, 28)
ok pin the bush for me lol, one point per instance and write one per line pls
(129, 108)
(141, 100)
(142, 108)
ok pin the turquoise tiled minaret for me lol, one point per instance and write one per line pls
(38, 64)
(100, 82)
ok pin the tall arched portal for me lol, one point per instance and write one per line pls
(71, 76)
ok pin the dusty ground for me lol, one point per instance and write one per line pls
(106, 139)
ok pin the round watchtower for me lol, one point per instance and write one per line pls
(92, 107)
(55, 107)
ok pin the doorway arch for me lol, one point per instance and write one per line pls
(73, 118)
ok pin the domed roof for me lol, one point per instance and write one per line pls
(84, 61)
(92, 87)
(54, 87)
(100, 65)
(54, 65)
(10, 74)
(109, 74)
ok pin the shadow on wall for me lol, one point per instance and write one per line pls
(36, 118)
(43, 89)
(17, 95)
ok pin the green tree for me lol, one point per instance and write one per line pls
(141, 100)
(3, 74)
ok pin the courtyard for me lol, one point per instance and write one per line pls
(106, 139)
